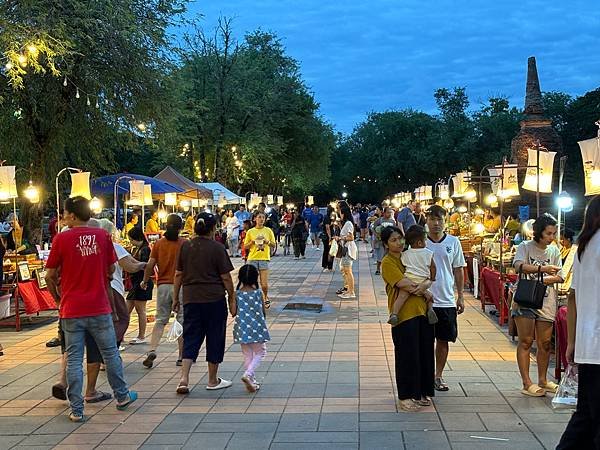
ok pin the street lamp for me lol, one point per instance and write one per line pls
(96, 205)
(344, 194)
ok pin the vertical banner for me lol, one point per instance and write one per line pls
(546, 166)
(136, 192)
(590, 155)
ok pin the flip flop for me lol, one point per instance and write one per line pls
(133, 396)
(183, 389)
(551, 387)
(222, 385)
(99, 397)
(250, 386)
(59, 391)
(533, 391)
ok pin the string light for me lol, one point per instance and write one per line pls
(77, 93)
(65, 82)
(97, 104)
(23, 60)
(9, 65)
(88, 101)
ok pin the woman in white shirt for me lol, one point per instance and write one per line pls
(347, 249)
(233, 233)
(583, 349)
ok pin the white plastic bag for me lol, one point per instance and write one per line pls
(333, 249)
(175, 331)
(566, 395)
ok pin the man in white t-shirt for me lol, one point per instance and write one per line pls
(583, 349)
(449, 262)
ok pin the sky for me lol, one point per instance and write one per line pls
(376, 55)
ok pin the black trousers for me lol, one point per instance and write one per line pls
(583, 430)
(413, 349)
(327, 261)
(299, 243)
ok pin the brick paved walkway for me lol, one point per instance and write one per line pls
(328, 382)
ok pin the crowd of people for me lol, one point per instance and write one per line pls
(98, 283)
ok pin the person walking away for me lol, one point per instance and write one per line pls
(344, 239)
(387, 220)
(138, 296)
(258, 242)
(534, 258)
(449, 262)
(233, 234)
(413, 336)
(316, 224)
(152, 226)
(164, 255)
(327, 260)
(250, 327)
(405, 217)
(84, 258)
(299, 235)
(583, 430)
(363, 216)
(204, 274)
(419, 267)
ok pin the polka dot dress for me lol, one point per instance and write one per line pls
(250, 325)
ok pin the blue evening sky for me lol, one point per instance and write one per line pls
(361, 56)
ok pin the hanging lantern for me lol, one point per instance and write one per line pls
(222, 200)
(32, 193)
(505, 186)
(460, 182)
(270, 200)
(590, 155)
(80, 185)
(311, 200)
(427, 193)
(448, 203)
(8, 185)
(470, 194)
(96, 205)
(546, 165)
(136, 192)
(162, 214)
(170, 199)
(443, 191)
(280, 200)
(147, 194)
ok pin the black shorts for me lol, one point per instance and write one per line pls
(446, 329)
(205, 321)
(92, 351)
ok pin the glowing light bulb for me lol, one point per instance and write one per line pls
(23, 60)
(65, 82)
(491, 199)
(32, 193)
(88, 101)
(478, 228)
(32, 49)
(8, 66)
(77, 93)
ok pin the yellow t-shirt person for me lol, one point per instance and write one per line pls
(152, 226)
(392, 272)
(254, 236)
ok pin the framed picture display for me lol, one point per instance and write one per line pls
(40, 275)
(23, 269)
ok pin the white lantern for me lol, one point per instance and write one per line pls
(280, 200)
(80, 185)
(147, 194)
(505, 186)
(8, 185)
(590, 155)
(311, 200)
(136, 192)
(170, 199)
(270, 200)
(195, 203)
(443, 191)
(460, 182)
(546, 165)
(427, 193)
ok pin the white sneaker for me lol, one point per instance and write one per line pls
(122, 348)
(138, 341)
(348, 296)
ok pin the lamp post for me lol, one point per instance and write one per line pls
(66, 169)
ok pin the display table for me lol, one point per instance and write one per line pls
(493, 292)
(34, 300)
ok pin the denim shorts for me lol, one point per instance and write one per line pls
(346, 261)
(260, 264)
(528, 313)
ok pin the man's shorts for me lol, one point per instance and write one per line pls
(260, 264)
(164, 304)
(446, 329)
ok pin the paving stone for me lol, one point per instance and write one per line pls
(9, 441)
(417, 440)
(373, 440)
(338, 422)
(300, 421)
(174, 423)
(208, 440)
(502, 422)
(462, 422)
(168, 439)
(250, 441)
(320, 436)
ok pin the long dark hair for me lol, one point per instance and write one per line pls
(345, 211)
(174, 225)
(248, 276)
(591, 224)
(205, 224)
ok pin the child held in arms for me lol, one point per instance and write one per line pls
(418, 261)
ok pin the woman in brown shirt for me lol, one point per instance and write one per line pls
(203, 270)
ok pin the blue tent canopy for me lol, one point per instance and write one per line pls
(218, 189)
(106, 185)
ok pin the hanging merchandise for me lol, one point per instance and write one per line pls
(270, 200)
(311, 200)
(546, 165)
(427, 193)
(590, 155)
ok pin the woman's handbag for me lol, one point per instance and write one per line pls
(333, 249)
(530, 293)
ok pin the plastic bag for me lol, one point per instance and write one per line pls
(175, 331)
(566, 395)
(333, 249)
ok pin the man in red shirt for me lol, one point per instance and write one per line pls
(84, 258)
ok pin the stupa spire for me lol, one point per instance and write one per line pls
(534, 108)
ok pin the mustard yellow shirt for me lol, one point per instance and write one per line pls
(255, 254)
(152, 226)
(128, 226)
(189, 225)
(392, 272)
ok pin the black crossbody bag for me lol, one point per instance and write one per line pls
(530, 293)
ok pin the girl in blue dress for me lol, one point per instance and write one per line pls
(250, 327)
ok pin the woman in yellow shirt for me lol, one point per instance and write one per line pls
(258, 243)
(413, 336)
(152, 224)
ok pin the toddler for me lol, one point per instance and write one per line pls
(245, 227)
(250, 327)
(418, 261)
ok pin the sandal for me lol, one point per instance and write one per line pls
(440, 385)
(250, 385)
(533, 391)
(222, 385)
(424, 401)
(409, 405)
(551, 387)
(341, 291)
(183, 389)
(99, 397)
(267, 304)
(77, 419)
(133, 396)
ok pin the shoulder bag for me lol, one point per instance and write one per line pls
(530, 293)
